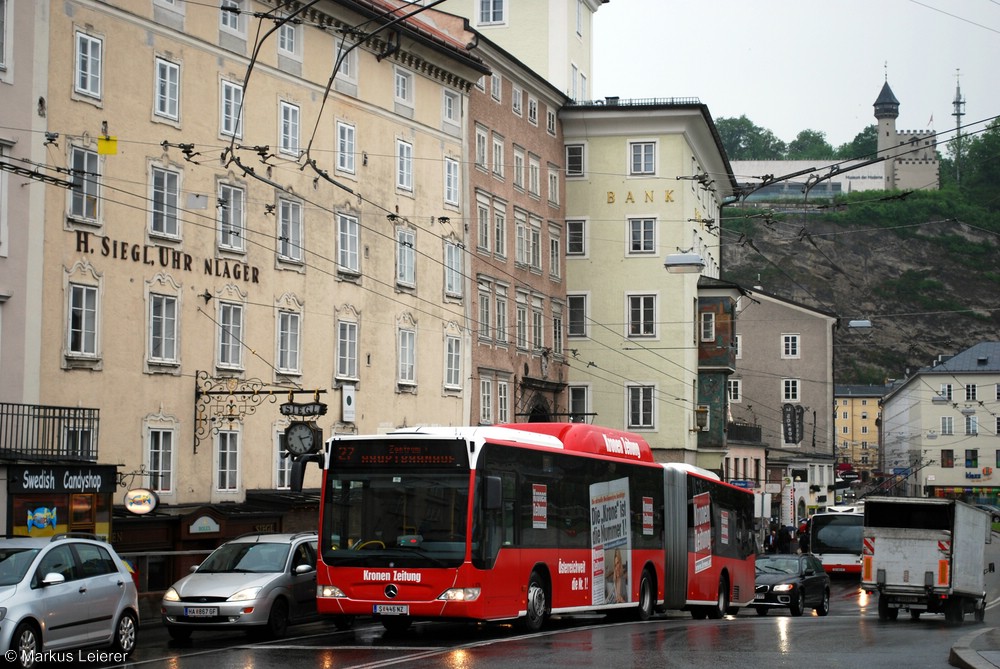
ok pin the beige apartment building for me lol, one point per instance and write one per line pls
(857, 414)
(227, 228)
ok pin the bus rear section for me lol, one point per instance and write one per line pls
(709, 542)
(490, 524)
(835, 538)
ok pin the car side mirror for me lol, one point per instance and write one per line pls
(53, 578)
(304, 569)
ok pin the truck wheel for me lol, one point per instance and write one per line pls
(953, 612)
(914, 614)
(885, 612)
(981, 611)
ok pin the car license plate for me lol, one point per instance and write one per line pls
(391, 609)
(760, 596)
(200, 611)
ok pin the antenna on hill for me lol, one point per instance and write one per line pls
(959, 112)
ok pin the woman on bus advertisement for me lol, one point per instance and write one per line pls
(610, 541)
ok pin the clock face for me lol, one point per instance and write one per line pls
(299, 438)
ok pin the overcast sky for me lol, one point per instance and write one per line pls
(792, 65)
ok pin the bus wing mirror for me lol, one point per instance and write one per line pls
(494, 493)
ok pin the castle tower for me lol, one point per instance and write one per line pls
(887, 111)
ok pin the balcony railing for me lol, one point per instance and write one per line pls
(743, 432)
(34, 432)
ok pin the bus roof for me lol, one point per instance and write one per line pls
(592, 439)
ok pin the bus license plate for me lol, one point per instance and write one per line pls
(391, 609)
(200, 611)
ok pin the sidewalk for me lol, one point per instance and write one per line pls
(977, 650)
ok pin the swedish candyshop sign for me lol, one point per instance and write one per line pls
(61, 478)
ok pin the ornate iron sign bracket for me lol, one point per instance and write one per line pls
(223, 402)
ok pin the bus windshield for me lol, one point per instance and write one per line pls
(389, 506)
(836, 533)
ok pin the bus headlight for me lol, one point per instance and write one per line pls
(329, 591)
(460, 595)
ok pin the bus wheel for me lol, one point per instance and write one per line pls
(699, 613)
(396, 624)
(537, 605)
(722, 603)
(647, 596)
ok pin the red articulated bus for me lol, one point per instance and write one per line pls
(519, 522)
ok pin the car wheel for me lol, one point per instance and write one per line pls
(27, 643)
(761, 610)
(722, 601)
(647, 597)
(799, 605)
(277, 619)
(179, 633)
(125, 633)
(537, 605)
(824, 604)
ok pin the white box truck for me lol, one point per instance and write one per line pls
(925, 555)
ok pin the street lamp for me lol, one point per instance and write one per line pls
(684, 262)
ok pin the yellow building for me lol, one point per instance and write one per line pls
(857, 416)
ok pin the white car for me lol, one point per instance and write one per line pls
(259, 582)
(64, 593)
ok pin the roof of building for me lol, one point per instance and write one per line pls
(848, 390)
(983, 357)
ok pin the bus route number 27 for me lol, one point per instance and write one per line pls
(345, 453)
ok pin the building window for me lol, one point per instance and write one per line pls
(453, 269)
(485, 300)
(517, 99)
(227, 471)
(947, 425)
(348, 237)
(947, 458)
(532, 110)
(82, 336)
(500, 229)
(229, 17)
(85, 191)
(557, 330)
(483, 225)
(971, 426)
(406, 257)
(166, 193)
(231, 222)
(577, 307)
(789, 346)
(485, 401)
(492, 11)
(640, 407)
(576, 238)
(707, 330)
(282, 466)
(971, 458)
(347, 350)
(452, 107)
(451, 181)
(407, 357)
(521, 321)
(345, 147)
(290, 230)
(738, 345)
(642, 156)
(167, 89)
(534, 175)
(496, 86)
(481, 140)
(289, 342)
(231, 110)
(289, 141)
(578, 404)
(498, 156)
(78, 442)
(642, 316)
(790, 390)
(518, 167)
(404, 165)
(550, 116)
(501, 314)
(641, 236)
(537, 328)
(162, 328)
(348, 68)
(553, 186)
(160, 456)
(971, 392)
(574, 160)
(288, 39)
(555, 255)
(230, 335)
(946, 391)
(735, 390)
(503, 402)
(88, 65)
(4, 22)
(453, 363)
(403, 90)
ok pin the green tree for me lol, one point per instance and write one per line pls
(743, 140)
(978, 168)
(864, 145)
(809, 145)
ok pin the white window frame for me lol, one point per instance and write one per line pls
(232, 22)
(485, 401)
(484, 325)
(290, 40)
(227, 461)
(89, 62)
(453, 363)
(83, 321)
(645, 417)
(290, 230)
(706, 331)
(282, 465)
(947, 425)
(167, 89)
(164, 311)
(641, 236)
(230, 339)
(451, 110)
(791, 346)
(484, 224)
(346, 135)
(734, 390)
(348, 69)
(289, 342)
(452, 184)
(499, 229)
(577, 323)
(85, 196)
(482, 147)
(534, 175)
(517, 100)
(500, 314)
(503, 401)
(160, 459)
(231, 109)
(492, 12)
(232, 223)
(406, 374)
(165, 185)
(641, 316)
(288, 136)
(347, 350)
(402, 89)
(575, 156)
(404, 165)
(553, 185)
(348, 244)
(576, 237)
(642, 158)
(532, 110)
(406, 257)
(498, 156)
(452, 269)
(791, 390)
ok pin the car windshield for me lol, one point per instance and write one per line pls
(777, 566)
(246, 557)
(14, 563)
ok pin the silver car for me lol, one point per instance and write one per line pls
(259, 582)
(61, 594)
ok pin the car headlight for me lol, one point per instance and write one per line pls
(171, 596)
(460, 595)
(245, 595)
(784, 587)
